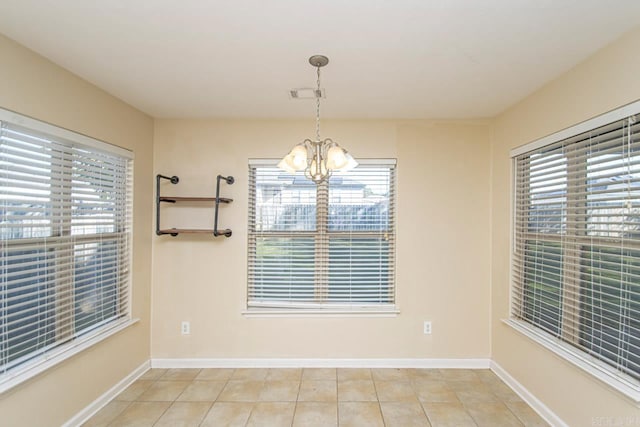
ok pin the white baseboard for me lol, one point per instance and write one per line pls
(91, 409)
(547, 414)
(322, 363)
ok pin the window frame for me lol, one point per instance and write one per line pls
(320, 234)
(592, 365)
(40, 360)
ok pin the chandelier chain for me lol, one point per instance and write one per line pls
(318, 95)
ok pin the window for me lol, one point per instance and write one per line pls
(65, 233)
(576, 250)
(324, 247)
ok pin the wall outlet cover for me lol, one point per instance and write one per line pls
(427, 328)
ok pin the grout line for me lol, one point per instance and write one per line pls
(424, 411)
(514, 414)
(375, 388)
(337, 401)
(295, 408)
(110, 422)
(164, 412)
(207, 413)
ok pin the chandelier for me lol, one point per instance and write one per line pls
(321, 157)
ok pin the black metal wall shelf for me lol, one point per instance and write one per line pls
(176, 199)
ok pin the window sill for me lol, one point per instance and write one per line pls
(266, 312)
(64, 352)
(625, 385)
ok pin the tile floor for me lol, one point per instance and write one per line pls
(317, 397)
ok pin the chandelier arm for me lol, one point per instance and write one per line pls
(324, 147)
(308, 144)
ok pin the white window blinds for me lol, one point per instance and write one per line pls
(576, 258)
(322, 246)
(65, 233)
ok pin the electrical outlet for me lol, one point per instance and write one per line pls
(427, 328)
(185, 328)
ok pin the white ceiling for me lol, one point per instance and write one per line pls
(388, 59)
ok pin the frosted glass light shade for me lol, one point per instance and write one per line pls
(336, 157)
(296, 160)
(351, 162)
(286, 164)
(299, 157)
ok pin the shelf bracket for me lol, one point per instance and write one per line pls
(226, 232)
(174, 180)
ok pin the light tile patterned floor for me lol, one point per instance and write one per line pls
(317, 397)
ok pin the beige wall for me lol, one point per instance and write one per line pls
(31, 85)
(442, 257)
(607, 80)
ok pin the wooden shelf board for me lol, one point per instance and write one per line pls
(194, 199)
(186, 231)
